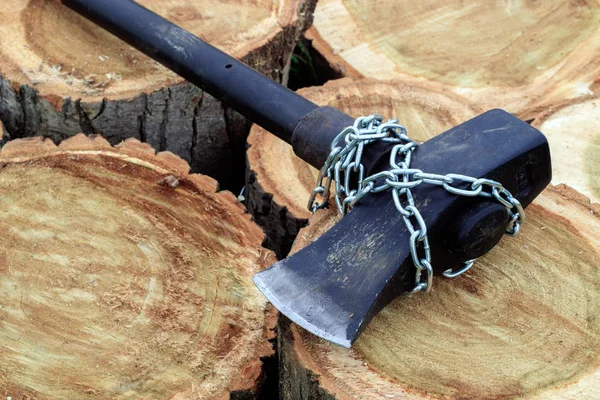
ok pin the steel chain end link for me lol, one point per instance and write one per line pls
(344, 164)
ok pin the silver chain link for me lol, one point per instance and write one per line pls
(344, 164)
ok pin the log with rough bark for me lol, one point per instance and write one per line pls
(124, 276)
(279, 183)
(60, 75)
(523, 323)
(574, 135)
(518, 55)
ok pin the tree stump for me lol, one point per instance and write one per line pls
(518, 55)
(574, 137)
(523, 323)
(279, 183)
(123, 276)
(60, 75)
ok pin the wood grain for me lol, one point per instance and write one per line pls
(522, 324)
(123, 276)
(61, 75)
(520, 55)
(574, 135)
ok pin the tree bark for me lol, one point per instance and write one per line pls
(521, 56)
(574, 137)
(124, 276)
(60, 75)
(523, 323)
(279, 183)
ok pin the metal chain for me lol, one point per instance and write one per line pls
(344, 164)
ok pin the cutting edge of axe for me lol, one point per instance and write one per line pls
(333, 287)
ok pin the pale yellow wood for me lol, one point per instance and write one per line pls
(60, 74)
(574, 135)
(518, 55)
(51, 48)
(115, 285)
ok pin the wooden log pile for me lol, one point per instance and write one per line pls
(124, 275)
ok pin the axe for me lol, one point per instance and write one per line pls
(411, 210)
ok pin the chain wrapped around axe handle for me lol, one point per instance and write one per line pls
(335, 286)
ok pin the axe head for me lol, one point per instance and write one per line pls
(335, 286)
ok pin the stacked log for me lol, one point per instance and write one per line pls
(124, 276)
(60, 75)
(520, 56)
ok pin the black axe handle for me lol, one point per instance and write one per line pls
(309, 128)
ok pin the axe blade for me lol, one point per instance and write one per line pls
(331, 287)
(335, 286)
(317, 313)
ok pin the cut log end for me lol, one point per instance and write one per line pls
(514, 326)
(113, 285)
(520, 56)
(62, 54)
(574, 136)
(279, 183)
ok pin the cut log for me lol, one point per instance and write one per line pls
(520, 55)
(123, 276)
(574, 135)
(279, 183)
(60, 75)
(523, 323)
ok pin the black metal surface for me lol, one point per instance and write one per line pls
(315, 132)
(335, 286)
